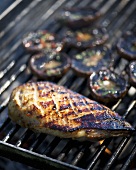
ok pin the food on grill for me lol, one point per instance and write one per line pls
(132, 73)
(107, 86)
(86, 38)
(126, 46)
(78, 17)
(50, 64)
(48, 108)
(42, 39)
(92, 60)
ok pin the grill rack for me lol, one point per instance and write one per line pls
(21, 144)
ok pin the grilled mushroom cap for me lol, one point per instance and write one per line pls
(42, 39)
(107, 86)
(85, 38)
(78, 17)
(132, 73)
(126, 46)
(92, 60)
(49, 65)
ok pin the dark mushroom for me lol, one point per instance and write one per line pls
(49, 65)
(126, 46)
(85, 38)
(41, 40)
(132, 73)
(107, 86)
(78, 17)
(86, 62)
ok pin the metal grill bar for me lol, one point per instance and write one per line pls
(130, 158)
(80, 154)
(98, 153)
(116, 153)
(52, 146)
(24, 155)
(11, 7)
(10, 134)
(37, 142)
(122, 143)
(65, 151)
(118, 16)
(23, 138)
(16, 18)
(119, 148)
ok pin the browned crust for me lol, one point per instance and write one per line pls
(63, 113)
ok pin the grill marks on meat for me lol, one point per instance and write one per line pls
(48, 108)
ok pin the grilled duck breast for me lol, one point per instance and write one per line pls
(48, 108)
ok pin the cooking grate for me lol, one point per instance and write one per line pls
(45, 151)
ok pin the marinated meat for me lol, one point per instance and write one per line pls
(48, 108)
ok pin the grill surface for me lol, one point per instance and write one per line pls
(45, 151)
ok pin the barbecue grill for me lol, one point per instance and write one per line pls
(45, 151)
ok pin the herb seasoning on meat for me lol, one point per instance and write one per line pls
(58, 111)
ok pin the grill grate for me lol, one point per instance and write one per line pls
(22, 145)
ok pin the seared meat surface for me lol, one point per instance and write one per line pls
(48, 108)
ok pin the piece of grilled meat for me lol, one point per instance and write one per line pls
(48, 108)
